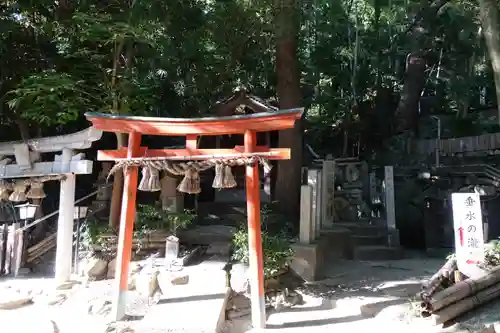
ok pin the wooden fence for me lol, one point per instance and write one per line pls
(473, 145)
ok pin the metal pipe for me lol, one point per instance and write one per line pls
(438, 120)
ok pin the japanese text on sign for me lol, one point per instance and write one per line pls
(468, 225)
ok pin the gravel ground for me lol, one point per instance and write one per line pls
(368, 297)
(355, 297)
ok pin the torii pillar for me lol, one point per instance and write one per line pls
(248, 125)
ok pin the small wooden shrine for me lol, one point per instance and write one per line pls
(190, 162)
(240, 103)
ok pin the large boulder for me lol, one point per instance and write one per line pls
(96, 268)
(111, 269)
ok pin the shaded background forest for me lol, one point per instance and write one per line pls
(366, 71)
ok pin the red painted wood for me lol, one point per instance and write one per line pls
(127, 214)
(159, 126)
(111, 155)
(256, 258)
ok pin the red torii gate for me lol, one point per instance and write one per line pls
(248, 125)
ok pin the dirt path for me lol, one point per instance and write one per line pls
(356, 297)
(367, 297)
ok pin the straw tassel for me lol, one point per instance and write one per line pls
(228, 181)
(36, 190)
(191, 182)
(219, 176)
(5, 189)
(144, 184)
(18, 195)
(154, 180)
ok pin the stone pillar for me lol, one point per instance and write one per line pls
(171, 199)
(328, 189)
(372, 181)
(306, 217)
(390, 209)
(64, 248)
(314, 180)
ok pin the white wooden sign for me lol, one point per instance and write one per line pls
(468, 227)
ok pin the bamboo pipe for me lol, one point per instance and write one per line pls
(454, 310)
(462, 290)
(433, 285)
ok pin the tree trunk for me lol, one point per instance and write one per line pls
(408, 106)
(489, 22)
(116, 194)
(289, 96)
(414, 83)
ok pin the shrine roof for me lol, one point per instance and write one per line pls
(240, 100)
(259, 122)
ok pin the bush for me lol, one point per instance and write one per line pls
(276, 243)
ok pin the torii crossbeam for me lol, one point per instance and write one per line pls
(248, 125)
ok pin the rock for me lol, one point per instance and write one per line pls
(168, 279)
(50, 299)
(10, 300)
(112, 269)
(132, 281)
(146, 283)
(67, 285)
(96, 268)
(219, 248)
(180, 280)
(284, 299)
(208, 234)
(99, 306)
(489, 329)
(24, 271)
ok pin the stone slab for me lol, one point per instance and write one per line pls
(307, 260)
(337, 243)
(196, 306)
(374, 252)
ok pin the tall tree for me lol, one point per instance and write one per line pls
(491, 30)
(289, 96)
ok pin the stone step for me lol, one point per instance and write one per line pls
(218, 208)
(377, 252)
(361, 240)
(361, 228)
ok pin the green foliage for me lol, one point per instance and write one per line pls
(151, 218)
(49, 98)
(90, 236)
(177, 58)
(492, 255)
(276, 243)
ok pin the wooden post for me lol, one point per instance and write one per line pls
(127, 218)
(254, 237)
(15, 255)
(64, 247)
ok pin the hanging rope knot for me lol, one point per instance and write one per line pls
(223, 176)
(191, 171)
(191, 182)
(19, 194)
(150, 181)
(36, 190)
(5, 189)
